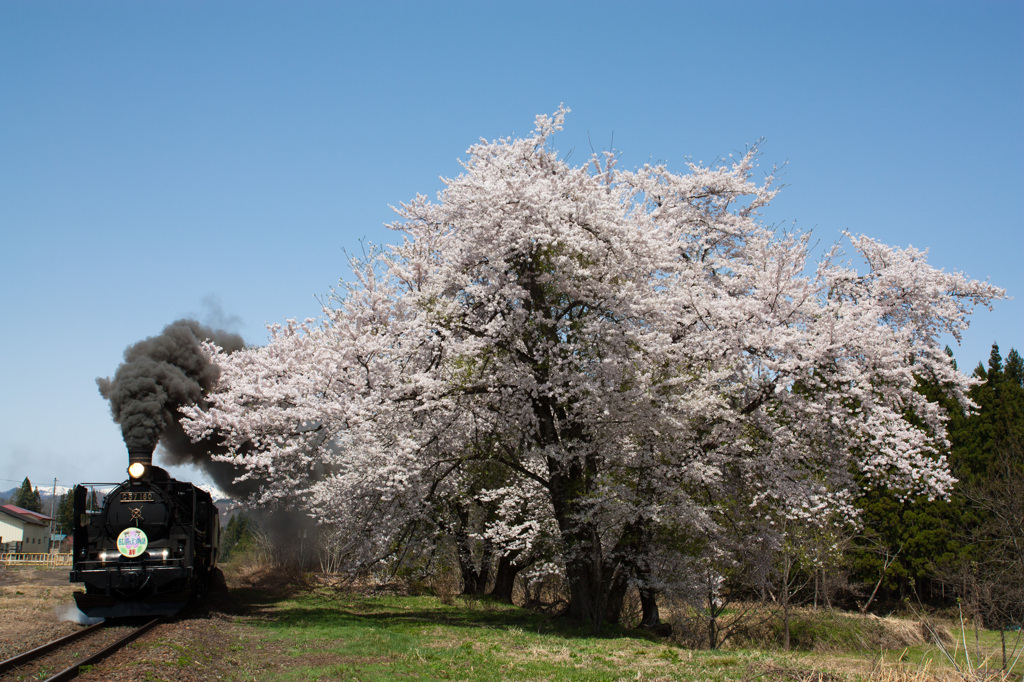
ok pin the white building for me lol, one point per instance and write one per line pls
(22, 530)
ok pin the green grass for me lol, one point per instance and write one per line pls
(367, 638)
(327, 634)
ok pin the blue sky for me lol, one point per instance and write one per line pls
(215, 159)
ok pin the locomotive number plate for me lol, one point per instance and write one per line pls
(138, 497)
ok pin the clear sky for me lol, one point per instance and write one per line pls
(215, 159)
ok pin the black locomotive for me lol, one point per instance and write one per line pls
(151, 546)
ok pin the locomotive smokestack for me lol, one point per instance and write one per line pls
(144, 456)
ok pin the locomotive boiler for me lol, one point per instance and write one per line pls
(149, 548)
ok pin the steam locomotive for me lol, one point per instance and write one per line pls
(151, 547)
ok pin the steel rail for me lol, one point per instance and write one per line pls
(72, 672)
(22, 659)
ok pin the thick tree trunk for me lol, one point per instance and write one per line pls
(474, 580)
(616, 597)
(629, 563)
(584, 560)
(486, 559)
(470, 579)
(587, 601)
(598, 585)
(570, 478)
(505, 578)
(651, 618)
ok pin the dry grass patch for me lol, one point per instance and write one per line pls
(822, 631)
(29, 601)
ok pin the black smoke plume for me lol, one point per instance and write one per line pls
(158, 376)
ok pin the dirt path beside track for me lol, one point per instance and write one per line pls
(206, 642)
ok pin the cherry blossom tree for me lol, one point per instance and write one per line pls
(633, 351)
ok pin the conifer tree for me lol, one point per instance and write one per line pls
(973, 540)
(988, 458)
(237, 536)
(28, 498)
(65, 514)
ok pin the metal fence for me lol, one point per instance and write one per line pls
(35, 559)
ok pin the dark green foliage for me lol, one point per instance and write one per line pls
(28, 498)
(988, 458)
(64, 516)
(980, 439)
(973, 542)
(912, 541)
(238, 536)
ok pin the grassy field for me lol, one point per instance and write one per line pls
(384, 638)
(983, 650)
(320, 633)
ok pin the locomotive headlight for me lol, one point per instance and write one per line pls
(136, 469)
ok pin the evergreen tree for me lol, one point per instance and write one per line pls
(28, 498)
(998, 424)
(23, 497)
(906, 544)
(237, 535)
(65, 514)
(988, 458)
(972, 541)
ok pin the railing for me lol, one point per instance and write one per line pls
(35, 559)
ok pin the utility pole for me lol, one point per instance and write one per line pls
(53, 501)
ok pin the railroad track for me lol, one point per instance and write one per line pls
(71, 672)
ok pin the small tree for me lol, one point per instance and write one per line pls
(28, 498)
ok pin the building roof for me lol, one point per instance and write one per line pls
(25, 515)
